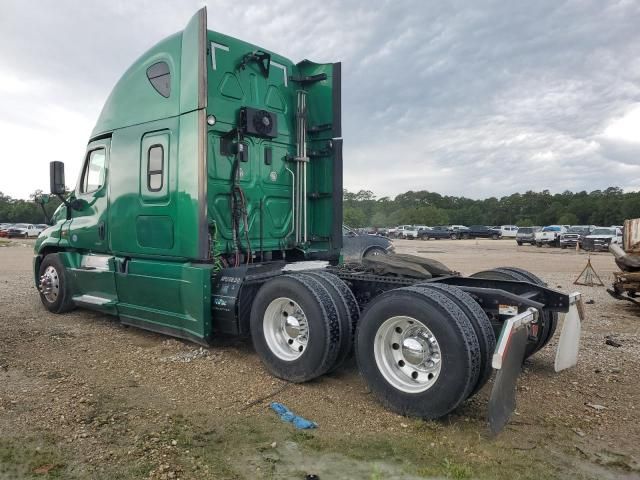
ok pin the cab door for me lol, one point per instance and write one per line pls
(91, 270)
(89, 229)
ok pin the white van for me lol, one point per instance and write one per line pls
(508, 231)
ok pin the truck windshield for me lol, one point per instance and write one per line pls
(604, 231)
(551, 229)
(578, 230)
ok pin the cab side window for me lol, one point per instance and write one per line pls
(93, 173)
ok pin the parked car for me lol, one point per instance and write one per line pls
(527, 235)
(508, 231)
(481, 231)
(4, 229)
(574, 235)
(356, 246)
(601, 237)
(437, 232)
(398, 232)
(413, 231)
(458, 231)
(550, 235)
(23, 230)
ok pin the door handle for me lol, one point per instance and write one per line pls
(101, 230)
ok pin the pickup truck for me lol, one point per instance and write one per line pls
(24, 230)
(575, 235)
(399, 231)
(508, 231)
(550, 235)
(413, 232)
(482, 231)
(601, 238)
(437, 232)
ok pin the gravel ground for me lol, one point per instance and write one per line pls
(83, 397)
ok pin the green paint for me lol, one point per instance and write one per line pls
(160, 235)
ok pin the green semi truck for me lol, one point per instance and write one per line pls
(210, 202)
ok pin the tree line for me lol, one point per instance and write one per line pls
(363, 209)
(599, 207)
(16, 210)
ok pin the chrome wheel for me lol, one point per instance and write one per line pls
(50, 284)
(286, 329)
(407, 354)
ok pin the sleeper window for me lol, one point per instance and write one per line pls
(160, 77)
(155, 168)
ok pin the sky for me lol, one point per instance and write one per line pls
(476, 98)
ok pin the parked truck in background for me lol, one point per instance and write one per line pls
(209, 202)
(550, 235)
(601, 238)
(482, 231)
(437, 232)
(527, 235)
(507, 231)
(574, 235)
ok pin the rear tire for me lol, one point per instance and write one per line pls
(453, 236)
(552, 316)
(295, 327)
(480, 323)
(417, 351)
(347, 309)
(494, 236)
(54, 289)
(519, 275)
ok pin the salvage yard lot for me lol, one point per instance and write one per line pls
(83, 397)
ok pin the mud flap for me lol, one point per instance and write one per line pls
(507, 359)
(569, 342)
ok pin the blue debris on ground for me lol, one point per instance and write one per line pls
(287, 415)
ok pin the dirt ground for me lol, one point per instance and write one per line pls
(83, 397)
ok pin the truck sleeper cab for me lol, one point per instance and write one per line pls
(210, 187)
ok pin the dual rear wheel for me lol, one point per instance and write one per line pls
(422, 350)
(302, 325)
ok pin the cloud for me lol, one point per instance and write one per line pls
(481, 99)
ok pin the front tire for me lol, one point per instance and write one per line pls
(453, 236)
(53, 286)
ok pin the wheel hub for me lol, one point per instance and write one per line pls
(292, 326)
(286, 329)
(414, 350)
(50, 284)
(407, 354)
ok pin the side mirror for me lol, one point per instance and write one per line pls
(56, 178)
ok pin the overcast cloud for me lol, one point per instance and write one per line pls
(477, 98)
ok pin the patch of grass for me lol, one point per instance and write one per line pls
(19, 458)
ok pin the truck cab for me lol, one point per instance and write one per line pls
(209, 153)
